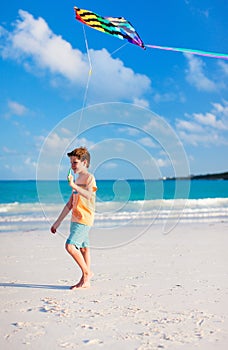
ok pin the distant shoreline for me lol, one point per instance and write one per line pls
(214, 176)
(217, 176)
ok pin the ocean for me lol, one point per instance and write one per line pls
(31, 205)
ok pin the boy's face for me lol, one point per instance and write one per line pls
(77, 165)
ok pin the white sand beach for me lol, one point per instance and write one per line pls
(157, 292)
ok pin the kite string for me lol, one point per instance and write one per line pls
(88, 80)
(87, 49)
(89, 76)
(112, 53)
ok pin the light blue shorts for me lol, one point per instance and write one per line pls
(79, 235)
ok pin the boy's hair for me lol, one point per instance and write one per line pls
(81, 153)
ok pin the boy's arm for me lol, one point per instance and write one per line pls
(67, 208)
(87, 193)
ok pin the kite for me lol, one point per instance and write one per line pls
(121, 28)
(115, 26)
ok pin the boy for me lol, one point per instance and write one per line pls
(82, 204)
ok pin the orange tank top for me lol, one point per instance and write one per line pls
(84, 209)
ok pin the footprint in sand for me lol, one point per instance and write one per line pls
(92, 341)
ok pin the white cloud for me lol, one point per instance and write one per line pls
(129, 131)
(206, 129)
(110, 165)
(196, 76)
(221, 109)
(33, 40)
(166, 97)
(33, 44)
(29, 162)
(54, 143)
(120, 146)
(9, 150)
(162, 163)
(53, 160)
(209, 119)
(147, 141)
(170, 96)
(110, 78)
(66, 131)
(62, 142)
(208, 138)
(17, 108)
(197, 10)
(189, 126)
(141, 102)
(224, 66)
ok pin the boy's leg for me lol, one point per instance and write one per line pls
(86, 255)
(79, 258)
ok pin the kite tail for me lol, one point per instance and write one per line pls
(193, 52)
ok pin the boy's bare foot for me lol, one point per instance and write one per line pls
(84, 282)
(76, 285)
(81, 284)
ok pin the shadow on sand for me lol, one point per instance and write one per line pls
(29, 285)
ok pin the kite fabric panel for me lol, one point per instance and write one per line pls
(115, 26)
(122, 29)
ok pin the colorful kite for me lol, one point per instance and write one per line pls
(116, 26)
(122, 29)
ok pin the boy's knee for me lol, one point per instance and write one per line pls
(69, 247)
(84, 250)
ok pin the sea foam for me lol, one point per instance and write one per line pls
(112, 214)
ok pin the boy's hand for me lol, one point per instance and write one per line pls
(54, 228)
(70, 178)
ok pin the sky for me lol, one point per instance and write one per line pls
(141, 113)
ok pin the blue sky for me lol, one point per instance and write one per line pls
(46, 89)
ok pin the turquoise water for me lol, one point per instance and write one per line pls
(110, 190)
(29, 205)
